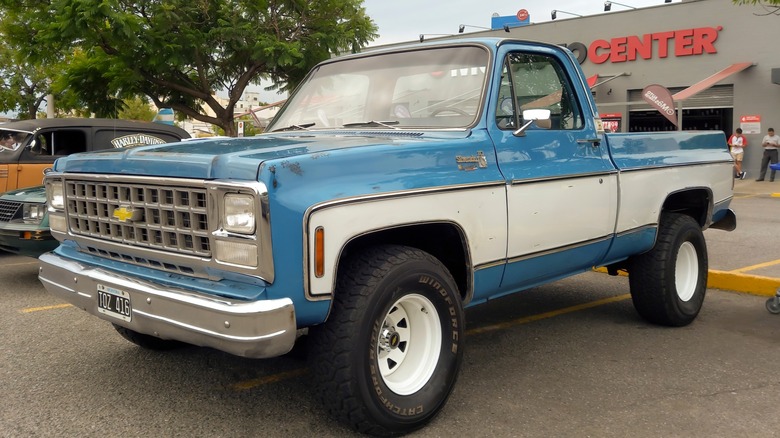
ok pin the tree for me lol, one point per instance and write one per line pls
(23, 87)
(137, 108)
(29, 72)
(772, 7)
(180, 52)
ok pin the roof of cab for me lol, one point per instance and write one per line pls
(33, 125)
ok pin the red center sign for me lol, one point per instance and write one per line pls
(522, 14)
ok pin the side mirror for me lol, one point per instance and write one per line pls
(539, 116)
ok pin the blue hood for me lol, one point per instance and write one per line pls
(226, 158)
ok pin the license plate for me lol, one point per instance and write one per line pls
(114, 302)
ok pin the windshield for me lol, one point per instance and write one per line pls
(12, 140)
(435, 88)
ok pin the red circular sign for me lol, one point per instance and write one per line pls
(522, 14)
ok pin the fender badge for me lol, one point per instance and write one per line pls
(471, 162)
(127, 214)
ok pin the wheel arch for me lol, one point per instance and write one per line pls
(445, 241)
(696, 202)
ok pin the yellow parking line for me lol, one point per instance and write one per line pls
(21, 264)
(758, 266)
(532, 318)
(273, 378)
(38, 309)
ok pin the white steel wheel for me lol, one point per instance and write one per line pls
(408, 344)
(669, 282)
(686, 271)
(388, 356)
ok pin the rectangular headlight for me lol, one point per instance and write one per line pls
(239, 213)
(54, 195)
(33, 213)
(236, 253)
(57, 223)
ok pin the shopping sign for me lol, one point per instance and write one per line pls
(658, 97)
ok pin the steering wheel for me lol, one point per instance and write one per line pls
(453, 109)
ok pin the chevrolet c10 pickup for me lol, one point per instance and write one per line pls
(394, 189)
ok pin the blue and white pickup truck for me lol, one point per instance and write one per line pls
(395, 188)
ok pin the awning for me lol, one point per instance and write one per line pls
(710, 81)
(593, 81)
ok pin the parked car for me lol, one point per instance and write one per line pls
(28, 148)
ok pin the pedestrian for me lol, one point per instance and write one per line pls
(737, 143)
(771, 144)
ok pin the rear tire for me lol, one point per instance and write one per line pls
(388, 357)
(668, 283)
(147, 341)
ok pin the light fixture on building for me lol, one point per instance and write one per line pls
(608, 5)
(667, 1)
(463, 27)
(423, 35)
(554, 13)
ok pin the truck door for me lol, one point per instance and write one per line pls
(561, 186)
(46, 147)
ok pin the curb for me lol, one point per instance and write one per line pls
(735, 282)
(745, 283)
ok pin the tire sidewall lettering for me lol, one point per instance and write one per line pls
(417, 405)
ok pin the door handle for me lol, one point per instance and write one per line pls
(595, 142)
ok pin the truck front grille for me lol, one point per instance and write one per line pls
(8, 210)
(143, 215)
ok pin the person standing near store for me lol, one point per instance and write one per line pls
(737, 143)
(771, 144)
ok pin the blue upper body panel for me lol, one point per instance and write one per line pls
(642, 150)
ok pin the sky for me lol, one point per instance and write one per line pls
(405, 20)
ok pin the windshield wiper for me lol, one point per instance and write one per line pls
(301, 127)
(385, 124)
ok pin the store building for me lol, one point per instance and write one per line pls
(720, 61)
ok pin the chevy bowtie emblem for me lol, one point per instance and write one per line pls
(127, 214)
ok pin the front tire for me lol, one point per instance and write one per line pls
(388, 357)
(669, 282)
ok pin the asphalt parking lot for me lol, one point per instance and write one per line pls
(567, 359)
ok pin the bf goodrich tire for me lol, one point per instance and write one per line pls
(388, 357)
(669, 282)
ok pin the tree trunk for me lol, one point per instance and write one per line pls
(229, 127)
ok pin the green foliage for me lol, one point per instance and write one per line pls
(180, 52)
(137, 108)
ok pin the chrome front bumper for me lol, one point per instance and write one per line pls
(255, 329)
